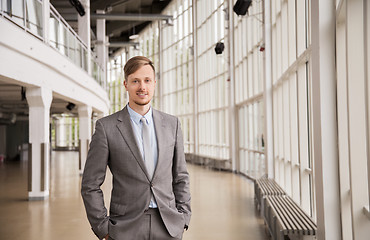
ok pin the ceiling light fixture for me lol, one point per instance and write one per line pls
(133, 36)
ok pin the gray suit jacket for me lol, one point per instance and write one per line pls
(113, 144)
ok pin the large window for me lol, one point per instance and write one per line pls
(249, 78)
(290, 21)
(149, 47)
(117, 93)
(202, 100)
(213, 98)
(177, 65)
(64, 132)
(194, 85)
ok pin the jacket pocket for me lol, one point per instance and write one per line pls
(117, 209)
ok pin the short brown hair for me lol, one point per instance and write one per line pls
(134, 63)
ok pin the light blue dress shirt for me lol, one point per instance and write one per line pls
(137, 126)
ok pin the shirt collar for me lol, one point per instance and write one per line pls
(137, 117)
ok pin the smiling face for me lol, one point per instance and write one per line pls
(140, 86)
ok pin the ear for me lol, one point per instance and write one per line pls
(125, 84)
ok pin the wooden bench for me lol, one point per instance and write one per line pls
(266, 187)
(286, 220)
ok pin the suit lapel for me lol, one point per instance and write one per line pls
(125, 128)
(159, 127)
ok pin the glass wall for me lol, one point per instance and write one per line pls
(177, 64)
(64, 132)
(290, 32)
(213, 98)
(249, 78)
(174, 62)
(200, 96)
(149, 47)
(117, 93)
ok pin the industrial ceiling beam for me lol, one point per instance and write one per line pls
(121, 17)
(122, 44)
(116, 44)
(130, 17)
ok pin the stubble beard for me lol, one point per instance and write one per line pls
(142, 103)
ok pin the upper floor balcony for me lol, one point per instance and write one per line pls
(41, 20)
(40, 49)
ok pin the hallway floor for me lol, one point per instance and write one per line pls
(222, 204)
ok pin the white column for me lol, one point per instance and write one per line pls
(46, 17)
(324, 122)
(84, 31)
(105, 73)
(62, 133)
(101, 48)
(97, 117)
(234, 143)
(269, 144)
(56, 132)
(195, 79)
(69, 141)
(39, 101)
(59, 132)
(160, 60)
(84, 116)
(356, 84)
(75, 137)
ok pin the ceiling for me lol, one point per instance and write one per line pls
(11, 102)
(14, 106)
(116, 30)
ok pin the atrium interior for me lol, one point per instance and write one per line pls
(279, 91)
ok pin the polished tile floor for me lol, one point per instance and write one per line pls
(222, 204)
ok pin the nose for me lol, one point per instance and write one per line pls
(142, 85)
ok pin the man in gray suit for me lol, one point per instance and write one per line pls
(143, 149)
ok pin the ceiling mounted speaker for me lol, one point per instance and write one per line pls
(241, 7)
(219, 47)
(78, 6)
(70, 106)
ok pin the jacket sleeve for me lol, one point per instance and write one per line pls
(92, 179)
(180, 175)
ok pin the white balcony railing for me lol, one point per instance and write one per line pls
(28, 14)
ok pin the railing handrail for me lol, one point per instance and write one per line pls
(64, 22)
(59, 17)
(74, 44)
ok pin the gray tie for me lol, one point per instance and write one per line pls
(148, 155)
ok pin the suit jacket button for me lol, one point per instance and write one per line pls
(151, 184)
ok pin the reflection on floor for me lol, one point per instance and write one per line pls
(222, 204)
